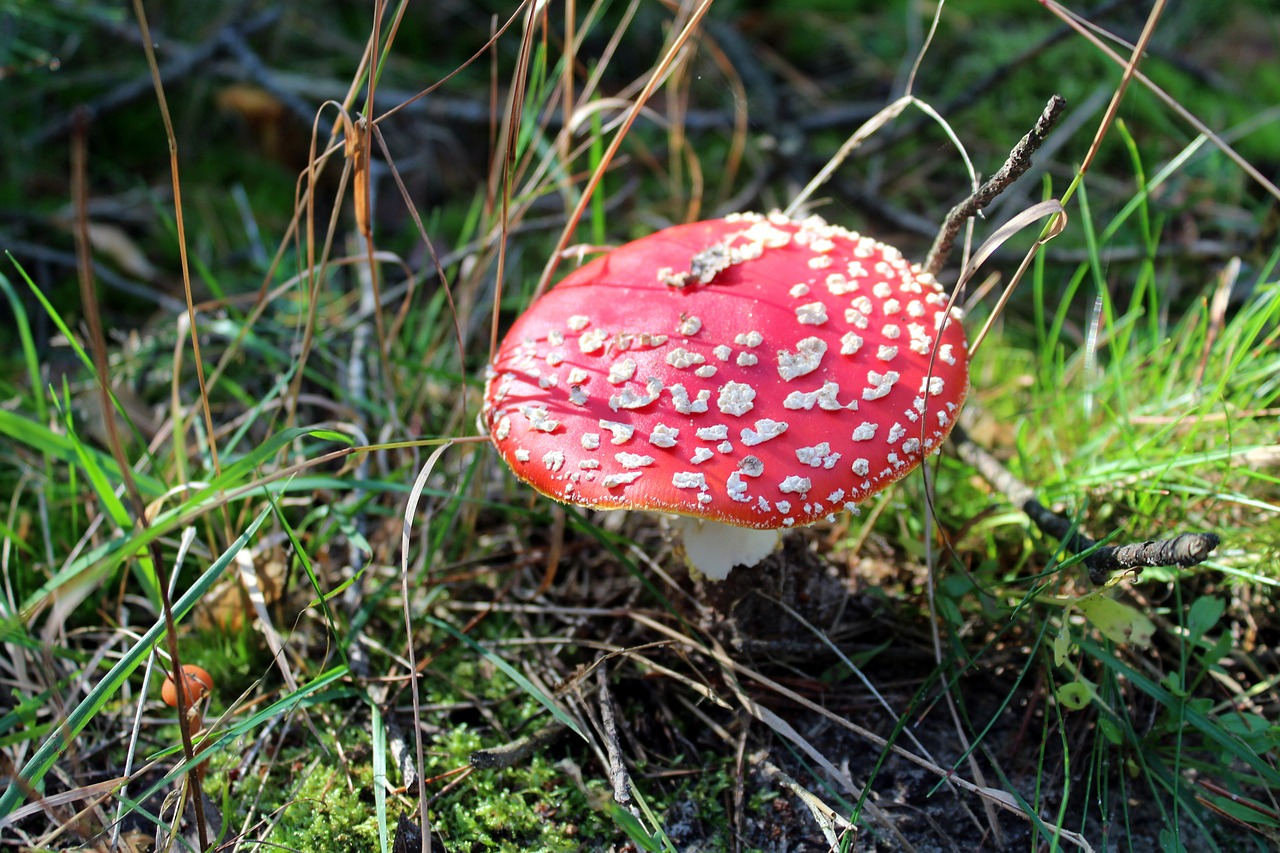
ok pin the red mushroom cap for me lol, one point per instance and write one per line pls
(753, 370)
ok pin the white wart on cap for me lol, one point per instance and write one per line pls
(754, 370)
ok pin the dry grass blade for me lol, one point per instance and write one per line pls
(172, 137)
(247, 570)
(1036, 212)
(95, 795)
(829, 820)
(79, 178)
(502, 172)
(1131, 378)
(868, 129)
(410, 510)
(787, 731)
(882, 702)
(188, 536)
(855, 140)
(1130, 68)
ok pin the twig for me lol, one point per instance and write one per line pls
(832, 824)
(1018, 162)
(511, 754)
(618, 777)
(401, 751)
(1183, 550)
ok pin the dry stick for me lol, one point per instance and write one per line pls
(518, 750)
(1184, 550)
(618, 776)
(1014, 167)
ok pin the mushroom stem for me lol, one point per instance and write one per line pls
(713, 549)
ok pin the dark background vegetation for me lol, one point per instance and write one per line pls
(810, 74)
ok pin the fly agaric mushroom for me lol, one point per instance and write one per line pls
(753, 371)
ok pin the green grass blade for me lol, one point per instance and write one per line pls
(1210, 728)
(379, 735)
(40, 438)
(29, 355)
(309, 695)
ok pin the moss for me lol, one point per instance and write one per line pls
(316, 804)
(326, 815)
(532, 806)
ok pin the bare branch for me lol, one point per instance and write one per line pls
(1014, 167)
(519, 750)
(1186, 549)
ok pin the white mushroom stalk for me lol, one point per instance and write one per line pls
(713, 548)
(754, 371)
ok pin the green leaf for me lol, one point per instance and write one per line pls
(1204, 614)
(1118, 622)
(379, 774)
(635, 830)
(1074, 696)
(1061, 646)
(1220, 648)
(1170, 842)
(1253, 729)
(1110, 731)
(1247, 811)
(1173, 682)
